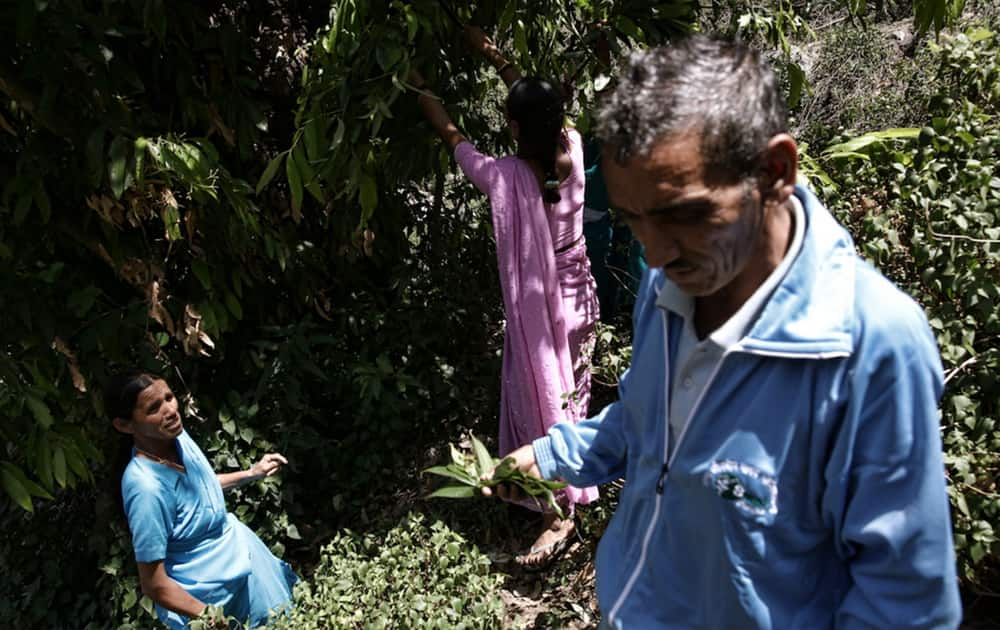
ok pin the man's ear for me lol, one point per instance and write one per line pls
(779, 168)
(123, 425)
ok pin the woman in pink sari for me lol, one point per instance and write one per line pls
(548, 292)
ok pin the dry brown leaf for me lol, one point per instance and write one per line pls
(193, 339)
(108, 209)
(74, 369)
(369, 238)
(167, 198)
(157, 311)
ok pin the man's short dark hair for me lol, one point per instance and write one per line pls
(720, 88)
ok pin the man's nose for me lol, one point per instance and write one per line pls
(659, 244)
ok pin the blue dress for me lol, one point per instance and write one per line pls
(181, 518)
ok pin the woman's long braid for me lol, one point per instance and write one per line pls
(549, 148)
(537, 107)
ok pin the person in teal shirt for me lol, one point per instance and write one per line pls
(190, 551)
(616, 258)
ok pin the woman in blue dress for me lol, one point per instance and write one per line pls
(191, 553)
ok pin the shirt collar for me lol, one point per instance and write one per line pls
(738, 325)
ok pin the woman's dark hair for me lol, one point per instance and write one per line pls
(537, 107)
(121, 392)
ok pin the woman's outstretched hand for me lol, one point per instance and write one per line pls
(268, 465)
(477, 39)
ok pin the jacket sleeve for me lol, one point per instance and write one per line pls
(595, 450)
(886, 494)
(589, 453)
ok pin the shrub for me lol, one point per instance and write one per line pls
(924, 206)
(414, 576)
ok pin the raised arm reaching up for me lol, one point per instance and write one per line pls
(479, 42)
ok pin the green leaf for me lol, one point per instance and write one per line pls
(43, 462)
(117, 160)
(454, 492)
(293, 532)
(797, 81)
(35, 490)
(368, 196)
(294, 185)
(76, 463)
(40, 410)
(234, 306)
(202, 272)
(247, 434)
(452, 472)
(484, 461)
(59, 465)
(456, 455)
(14, 488)
(411, 23)
(269, 172)
(138, 171)
(94, 151)
(312, 134)
(521, 40)
(308, 175)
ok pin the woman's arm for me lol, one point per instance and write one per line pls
(482, 44)
(267, 466)
(158, 586)
(436, 114)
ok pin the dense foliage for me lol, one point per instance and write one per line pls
(415, 575)
(924, 205)
(243, 197)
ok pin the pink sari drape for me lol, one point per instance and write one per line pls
(551, 308)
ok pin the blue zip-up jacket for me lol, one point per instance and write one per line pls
(807, 490)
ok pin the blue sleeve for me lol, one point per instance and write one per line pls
(886, 494)
(149, 508)
(584, 454)
(595, 450)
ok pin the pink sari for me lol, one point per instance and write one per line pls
(550, 301)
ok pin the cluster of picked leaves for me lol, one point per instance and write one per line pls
(477, 470)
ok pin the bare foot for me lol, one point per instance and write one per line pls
(553, 540)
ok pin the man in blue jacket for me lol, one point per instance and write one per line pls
(778, 426)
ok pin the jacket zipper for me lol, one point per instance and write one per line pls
(662, 478)
(668, 459)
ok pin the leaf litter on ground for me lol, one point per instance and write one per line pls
(470, 473)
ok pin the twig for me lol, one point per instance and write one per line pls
(956, 237)
(958, 369)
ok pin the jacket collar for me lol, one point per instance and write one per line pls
(810, 312)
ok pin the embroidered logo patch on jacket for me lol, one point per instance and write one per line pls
(751, 490)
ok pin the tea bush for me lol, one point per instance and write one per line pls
(414, 576)
(924, 206)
